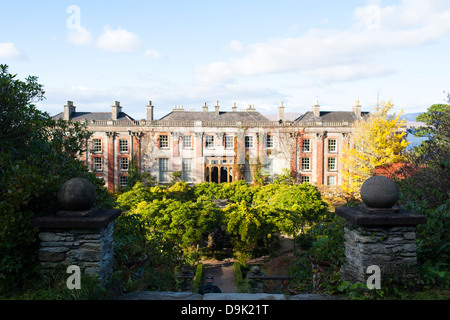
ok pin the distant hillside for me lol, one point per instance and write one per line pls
(411, 123)
(410, 116)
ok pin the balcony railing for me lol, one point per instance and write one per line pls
(192, 123)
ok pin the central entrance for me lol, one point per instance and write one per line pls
(219, 169)
(218, 173)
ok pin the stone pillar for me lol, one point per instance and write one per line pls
(255, 279)
(82, 237)
(185, 280)
(379, 234)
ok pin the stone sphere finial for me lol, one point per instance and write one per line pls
(256, 269)
(77, 194)
(379, 192)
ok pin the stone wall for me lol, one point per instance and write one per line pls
(393, 249)
(92, 250)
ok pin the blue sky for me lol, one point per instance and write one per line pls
(245, 52)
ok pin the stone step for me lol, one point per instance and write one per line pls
(168, 295)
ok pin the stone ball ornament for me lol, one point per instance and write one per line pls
(77, 194)
(379, 192)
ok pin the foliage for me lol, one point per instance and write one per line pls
(427, 178)
(197, 283)
(186, 215)
(133, 241)
(293, 206)
(238, 273)
(375, 141)
(52, 286)
(425, 188)
(37, 155)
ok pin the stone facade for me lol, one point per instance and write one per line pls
(218, 146)
(382, 237)
(91, 250)
(392, 249)
(84, 241)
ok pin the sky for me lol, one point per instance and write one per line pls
(248, 52)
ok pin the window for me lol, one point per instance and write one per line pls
(96, 145)
(248, 142)
(123, 181)
(332, 145)
(164, 141)
(331, 180)
(229, 142)
(268, 170)
(331, 164)
(187, 142)
(97, 164)
(306, 165)
(209, 142)
(269, 141)
(305, 179)
(123, 146)
(187, 169)
(163, 170)
(306, 147)
(123, 164)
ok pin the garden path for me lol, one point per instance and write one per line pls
(223, 271)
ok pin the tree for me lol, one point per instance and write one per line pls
(376, 141)
(37, 155)
(428, 176)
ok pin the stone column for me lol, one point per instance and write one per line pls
(378, 234)
(255, 279)
(185, 280)
(82, 237)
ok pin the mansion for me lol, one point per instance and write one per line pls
(216, 145)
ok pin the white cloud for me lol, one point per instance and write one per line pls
(152, 53)
(119, 40)
(236, 46)
(9, 51)
(79, 36)
(339, 54)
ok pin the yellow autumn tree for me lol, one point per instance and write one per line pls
(376, 140)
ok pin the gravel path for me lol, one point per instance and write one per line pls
(223, 271)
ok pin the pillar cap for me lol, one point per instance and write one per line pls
(101, 219)
(360, 217)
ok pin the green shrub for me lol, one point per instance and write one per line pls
(238, 273)
(198, 277)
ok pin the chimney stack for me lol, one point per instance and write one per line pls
(234, 107)
(357, 109)
(216, 107)
(116, 109)
(205, 108)
(149, 111)
(281, 112)
(69, 109)
(316, 109)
